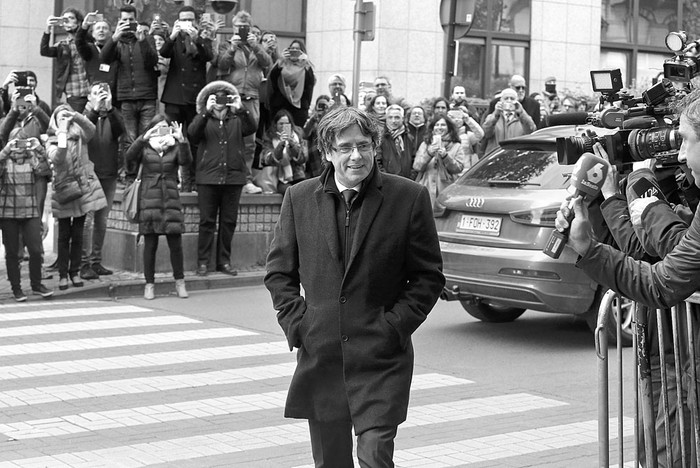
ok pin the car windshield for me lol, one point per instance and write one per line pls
(535, 169)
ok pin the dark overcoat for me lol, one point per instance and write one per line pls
(353, 326)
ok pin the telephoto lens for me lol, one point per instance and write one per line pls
(648, 143)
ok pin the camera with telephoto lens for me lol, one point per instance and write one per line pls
(646, 126)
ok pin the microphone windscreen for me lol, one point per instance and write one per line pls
(570, 118)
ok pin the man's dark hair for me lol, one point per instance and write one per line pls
(339, 119)
(128, 9)
(78, 14)
(690, 108)
(187, 8)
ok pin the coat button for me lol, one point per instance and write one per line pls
(344, 338)
(343, 299)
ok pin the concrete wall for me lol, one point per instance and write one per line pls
(564, 42)
(22, 22)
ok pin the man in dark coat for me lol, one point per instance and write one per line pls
(363, 245)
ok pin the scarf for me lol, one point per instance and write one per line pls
(161, 144)
(396, 136)
(190, 47)
(291, 82)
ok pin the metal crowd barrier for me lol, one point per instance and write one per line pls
(683, 340)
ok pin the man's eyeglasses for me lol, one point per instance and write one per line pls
(363, 148)
(519, 88)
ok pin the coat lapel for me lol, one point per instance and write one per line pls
(328, 223)
(371, 203)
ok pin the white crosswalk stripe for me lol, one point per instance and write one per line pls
(214, 396)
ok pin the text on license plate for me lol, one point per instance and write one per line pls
(479, 225)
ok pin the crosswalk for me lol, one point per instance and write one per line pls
(103, 384)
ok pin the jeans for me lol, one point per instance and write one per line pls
(70, 245)
(185, 114)
(221, 201)
(96, 225)
(30, 229)
(137, 115)
(150, 247)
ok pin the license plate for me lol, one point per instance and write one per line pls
(479, 225)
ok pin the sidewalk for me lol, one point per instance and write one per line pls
(122, 283)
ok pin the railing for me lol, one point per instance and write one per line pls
(677, 400)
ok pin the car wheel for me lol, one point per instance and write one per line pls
(627, 310)
(491, 313)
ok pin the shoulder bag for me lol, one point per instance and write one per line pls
(130, 201)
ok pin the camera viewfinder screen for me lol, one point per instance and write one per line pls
(602, 80)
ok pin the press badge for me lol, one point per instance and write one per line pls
(104, 67)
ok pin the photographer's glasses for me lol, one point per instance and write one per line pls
(364, 149)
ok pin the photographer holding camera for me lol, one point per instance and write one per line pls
(507, 120)
(20, 79)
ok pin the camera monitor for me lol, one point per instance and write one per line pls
(606, 81)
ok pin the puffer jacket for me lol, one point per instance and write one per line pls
(136, 61)
(74, 160)
(160, 209)
(220, 147)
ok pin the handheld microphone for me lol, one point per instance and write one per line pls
(568, 118)
(588, 178)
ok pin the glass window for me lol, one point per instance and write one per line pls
(511, 16)
(691, 16)
(649, 66)
(470, 67)
(278, 15)
(507, 60)
(656, 19)
(535, 169)
(610, 59)
(480, 15)
(616, 22)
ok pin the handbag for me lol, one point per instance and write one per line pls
(67, 189)
(131, 199)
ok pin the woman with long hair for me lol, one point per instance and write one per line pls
(377, 107)
(284, 155)
(438, 158)
(69, 153)
(160, 151)
(291, 83)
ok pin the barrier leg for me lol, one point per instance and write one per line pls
(645, 387)
(664, 387)
(601, 346)
(693, 387)
(620, 384)
(635, 384)
(679, 384)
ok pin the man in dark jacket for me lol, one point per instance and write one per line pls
(12, 79)
(103, 151)
(71, 75)
(531, 106)
(189, 49)
(219, 130)
(394, 153)
(90, 39)
(137, 80)
(363, 245)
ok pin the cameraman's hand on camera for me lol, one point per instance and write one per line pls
(498, 109)
(235, 42)
(177, 27)
(235, 103)
(580, 229)
(211, 102)
(90, 18)
(177, 132)
(122, 27)
(11, 78)
(285, 54)
(52, 21)
(518, 109)
(611, 185)
(34, 143)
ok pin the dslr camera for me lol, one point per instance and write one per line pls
(646, 125)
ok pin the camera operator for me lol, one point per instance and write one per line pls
(72, 78)
(13, 78)
(507, 120)
(89, 40)
(189, 49)
(135, 57)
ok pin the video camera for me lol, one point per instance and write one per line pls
(643, 129)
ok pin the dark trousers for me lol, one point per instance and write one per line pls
(70, 245)
(184, 114)
(331, 444)
(150, 247)
(96, 225)
(221, 201)
(137, 115)
(30, 229)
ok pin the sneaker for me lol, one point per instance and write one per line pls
(251, 188)
(87, 273)
(150, 291)
(100, 270)
(202, 270)
(19, 295)
(43, 291)
(226, 269)
(180, 288)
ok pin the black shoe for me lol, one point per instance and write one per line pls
(19, 295)
(202, 270)
(226, 269)
(100, 270)
(86, 272)
(75, 279)
(43, 291)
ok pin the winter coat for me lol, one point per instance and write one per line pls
(61, 52)
(74, 161)
(353, 325)
(220, 146)
(19, 172)
(245, 72)
(33, 125)
(470, 136)
(278, 99)
(278, 160)
(160, 209)
(96, 70)
(136, 61)
(103, 148)
(186, 74)
(497, 129)
(393, 160)
(436, 173)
